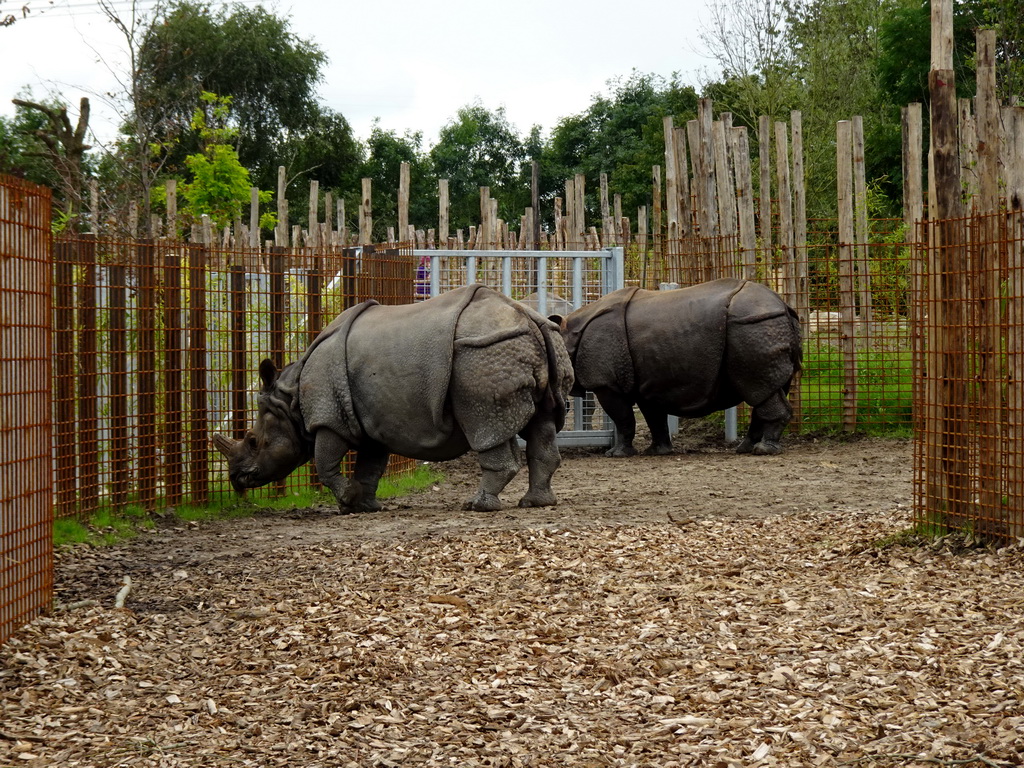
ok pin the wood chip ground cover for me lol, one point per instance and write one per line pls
(700, 625)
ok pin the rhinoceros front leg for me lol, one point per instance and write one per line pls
(358, 494)
(371, 461)
(328, 451)
(620, 410)
(542, 459)
(498, 466)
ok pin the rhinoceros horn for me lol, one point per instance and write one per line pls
(225, 445)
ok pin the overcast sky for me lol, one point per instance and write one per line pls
(411, 63)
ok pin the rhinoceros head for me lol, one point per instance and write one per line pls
(277, 443)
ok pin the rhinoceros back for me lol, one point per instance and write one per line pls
(385, 375)
(428, 380)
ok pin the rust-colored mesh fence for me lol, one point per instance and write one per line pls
(26, 501)
(158, 347)
(853, 304)
(969, 447)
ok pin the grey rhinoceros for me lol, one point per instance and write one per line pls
(687, 352)
(467, 370)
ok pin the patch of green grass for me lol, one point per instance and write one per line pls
(106, 526)
(109, 526)
(69, 530)
(908, 537)
(884, 391)
(423, 477)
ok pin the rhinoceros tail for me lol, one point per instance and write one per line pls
(796, 350)
(554, 395)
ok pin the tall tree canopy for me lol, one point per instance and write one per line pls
(386, 151)
(480, 148)
(245, 53)
(621, 134)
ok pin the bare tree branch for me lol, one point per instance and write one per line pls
(65, 147)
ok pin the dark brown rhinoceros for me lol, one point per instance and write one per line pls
(687, 352)
(468, 370)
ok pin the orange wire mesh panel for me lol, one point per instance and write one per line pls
(160, 348)
(26, 482)
(969, 451)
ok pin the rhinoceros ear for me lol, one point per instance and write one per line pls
(556, 319)
(268, 374)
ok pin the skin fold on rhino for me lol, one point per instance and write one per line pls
(467, 370)
(687, 352)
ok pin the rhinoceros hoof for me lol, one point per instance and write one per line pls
(483, 502)
(658, 450)
(746, 446)
(361, 506)
(538, 499)
(765, 448)
(620, 451)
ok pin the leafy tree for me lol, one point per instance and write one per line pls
(621, 134)
(246, 53)
(836, 46)
(480, 148)
(1008, 19)
(220, 185)
(325, 151)
(904, 52)
(43, 145)
(386, 151)
(21, 154)
(748, 40)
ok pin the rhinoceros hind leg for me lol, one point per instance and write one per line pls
(498, 466)
(766, 448)
(620, 410)
(767, 421)
(657, 422)
(542, 459)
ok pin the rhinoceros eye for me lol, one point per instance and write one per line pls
(250, 440)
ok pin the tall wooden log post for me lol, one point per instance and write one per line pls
(671, 182)
(847, 300)
(913, 215)
(608, 237)
(725, 192)
(764, 211)
(658, 250)
(403, 201)
(534, 243)
(860, 222)
(683, 184)
(987, 274)
(443, 213)
(366, 213)
(796, 128)
(281, 232)
(745, 203)
(947, 452)
(579, 212)
(1013, 120)
(785, 213)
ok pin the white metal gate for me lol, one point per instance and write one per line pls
(548, 279)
